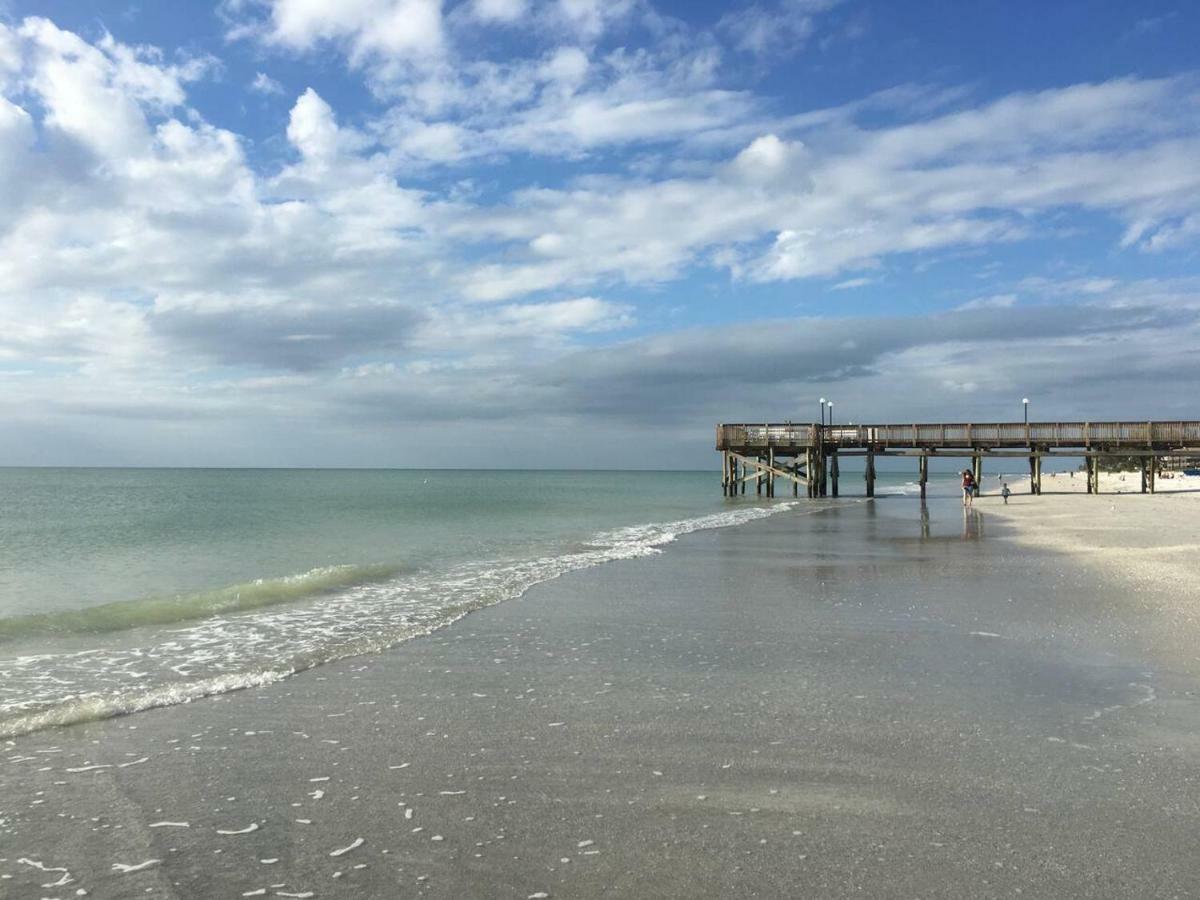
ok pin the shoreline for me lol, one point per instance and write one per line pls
(852, 703)
(476, 587)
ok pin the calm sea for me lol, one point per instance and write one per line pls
(125, 589)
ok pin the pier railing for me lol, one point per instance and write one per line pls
(1114, 435)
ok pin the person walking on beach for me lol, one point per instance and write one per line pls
(968, 487)
(1004, 492)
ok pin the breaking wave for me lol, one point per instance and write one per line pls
(236, 598)
(254, 634)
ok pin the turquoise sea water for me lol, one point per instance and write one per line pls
(123, 589)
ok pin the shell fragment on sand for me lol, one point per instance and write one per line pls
(358, 842)
(253, 826)
(125, 869)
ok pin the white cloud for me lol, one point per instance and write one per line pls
(852, 283)
(561, 104)
(392, 42)
(10, 55)
(370, 29)
(1173, 233)
(1068, 287)
(565, 68)
(432, 142)
(996, 301)
(16, 138)
(146, 262)
(266, 85)
(99, 95)
(590, 18)
(767, 158)
(583, 313)
(850, 198)
(312, 128)
(497, 331)
(779, 30)
(499, 10)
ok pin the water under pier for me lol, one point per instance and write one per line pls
(808, 455)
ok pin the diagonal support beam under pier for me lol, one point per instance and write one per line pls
(762, 469)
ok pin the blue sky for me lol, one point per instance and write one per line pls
(571, 232)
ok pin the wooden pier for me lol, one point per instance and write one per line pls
(808, 455)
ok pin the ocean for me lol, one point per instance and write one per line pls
(127, 589)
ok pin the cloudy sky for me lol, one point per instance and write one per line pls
(581, 232)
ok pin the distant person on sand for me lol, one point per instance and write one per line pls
(1004, 492)
(968, 487)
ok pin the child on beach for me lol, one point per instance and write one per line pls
(968, 487)
(1004, 492)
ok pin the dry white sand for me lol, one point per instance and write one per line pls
(1151, 543)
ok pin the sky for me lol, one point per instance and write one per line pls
(580, 233)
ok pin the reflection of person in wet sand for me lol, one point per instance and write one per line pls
(972, 525)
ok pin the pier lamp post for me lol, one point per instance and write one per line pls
(830, 405)
(822, 412)
(1025, 403)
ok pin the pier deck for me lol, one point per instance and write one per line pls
(808, 454)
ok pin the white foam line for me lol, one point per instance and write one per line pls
(136, 762)
(103, 707)
(90, 768)
(983, 634)
(482, 587)
(169, 825)
(253, 826)
(358, 842)
(125, 869)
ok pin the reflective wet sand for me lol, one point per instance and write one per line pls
(858, 700)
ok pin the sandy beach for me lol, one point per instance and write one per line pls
(1148, 544)
(852, 699)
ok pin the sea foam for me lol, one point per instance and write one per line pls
(260, 640)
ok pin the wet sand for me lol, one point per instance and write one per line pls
(841, 701)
